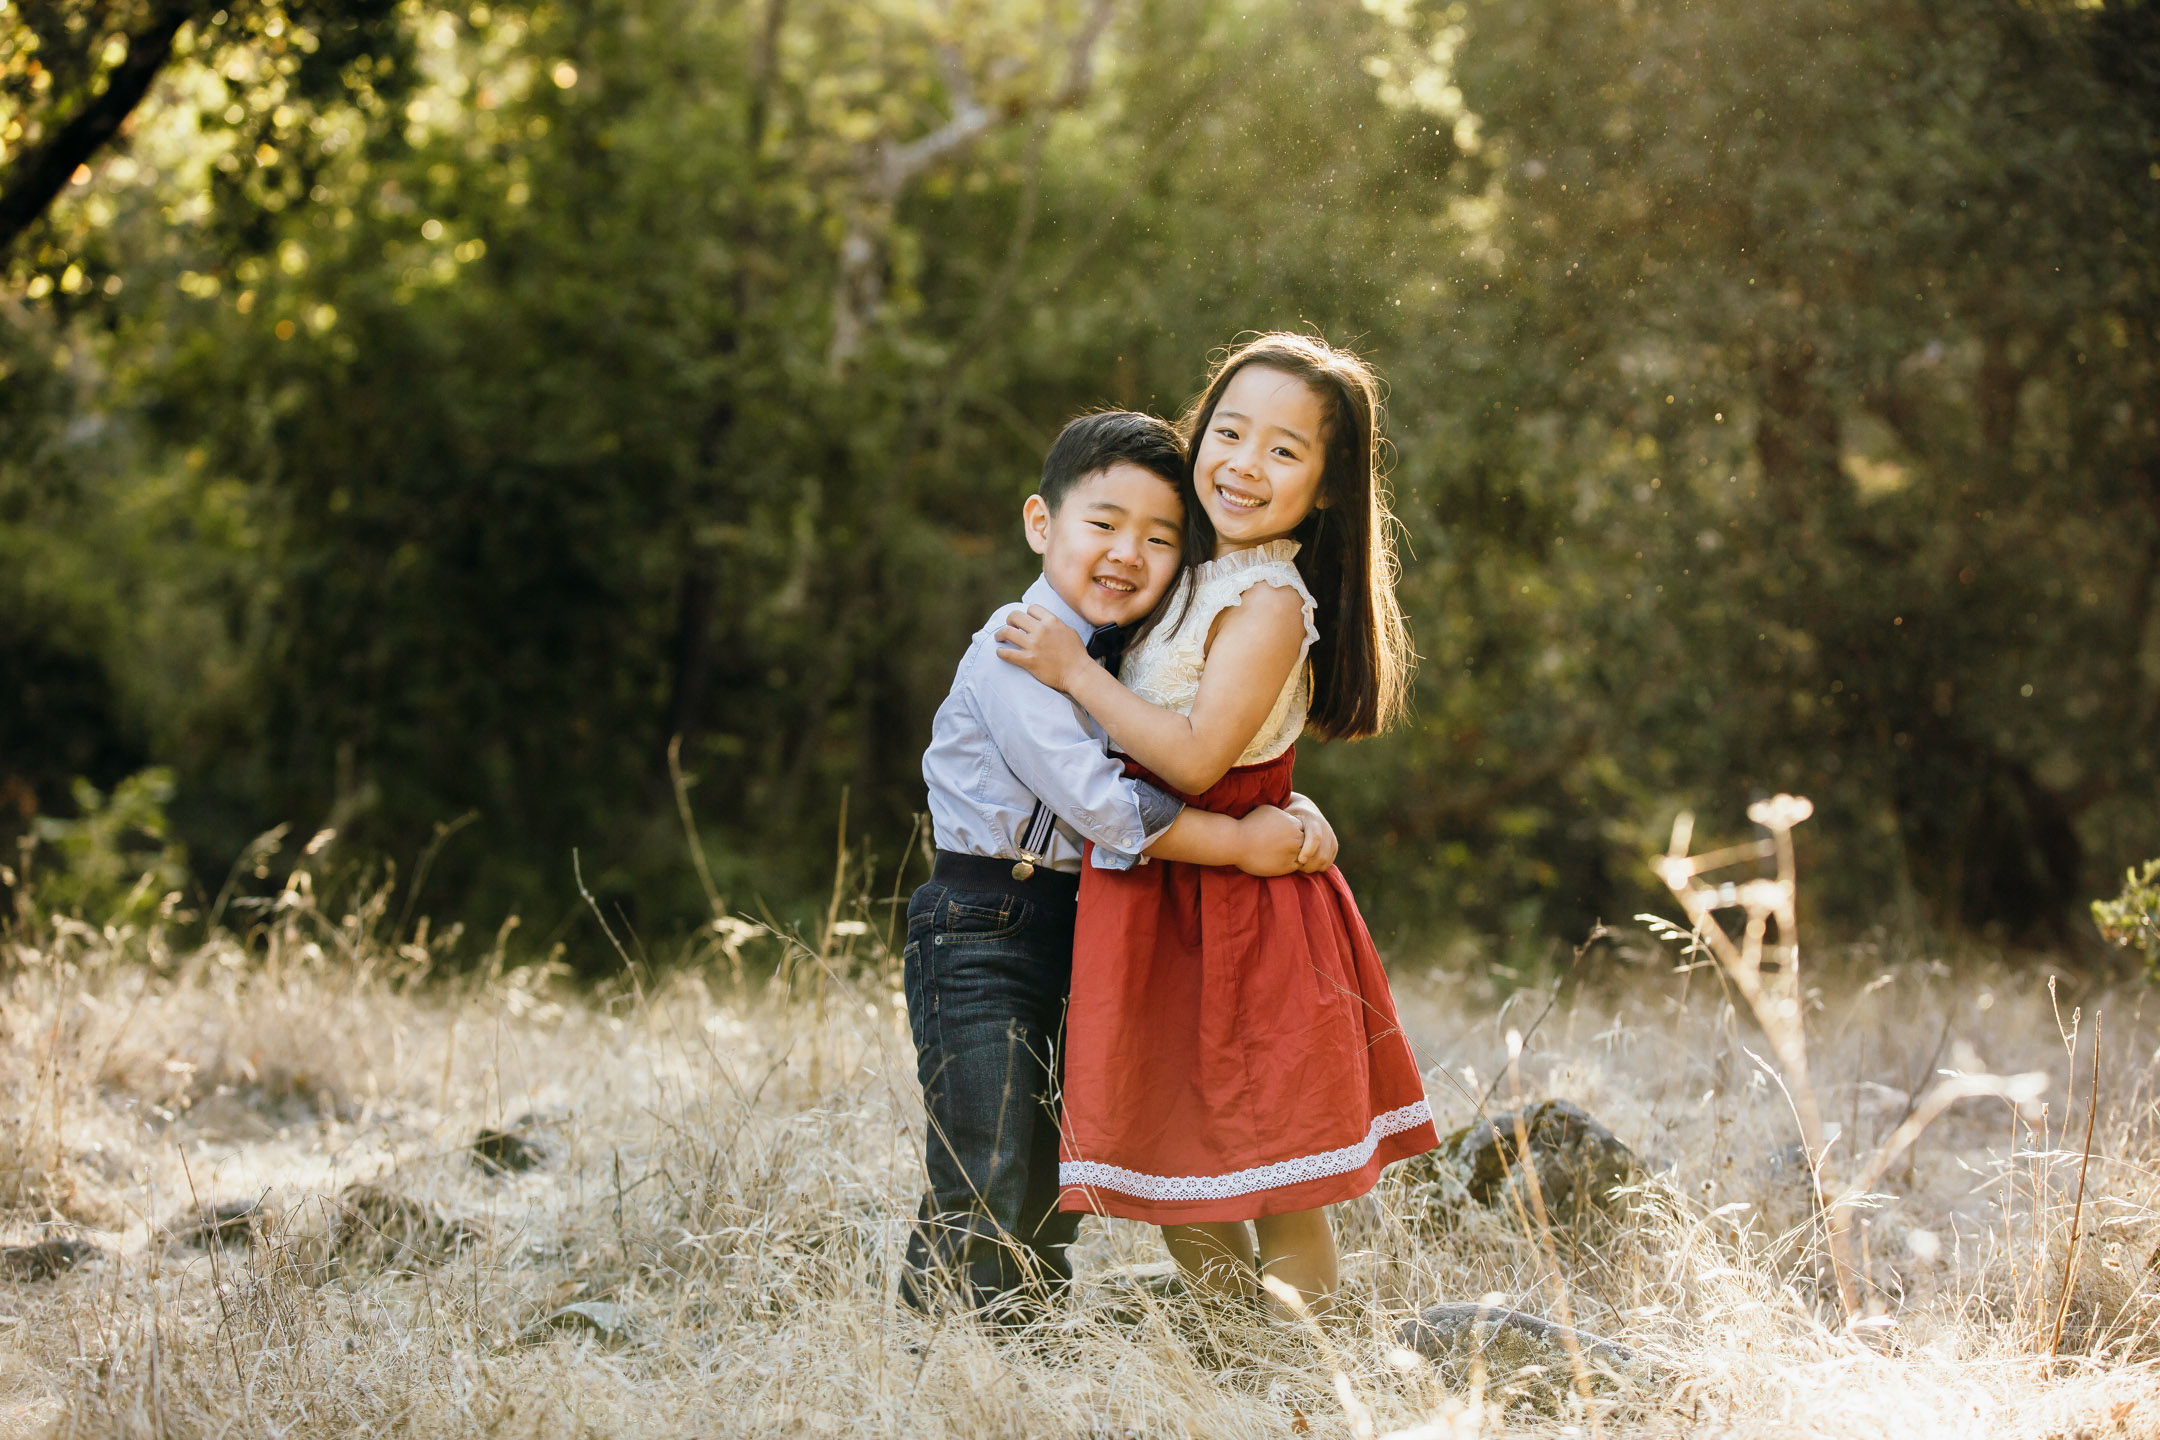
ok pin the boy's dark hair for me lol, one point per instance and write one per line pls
(1106, 438)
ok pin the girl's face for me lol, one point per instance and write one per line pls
(1261, 459)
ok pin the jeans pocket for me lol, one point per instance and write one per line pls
(916, 984)
(976, 916)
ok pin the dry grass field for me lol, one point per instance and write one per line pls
(721, 1172)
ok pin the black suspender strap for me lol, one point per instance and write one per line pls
(1034, 841)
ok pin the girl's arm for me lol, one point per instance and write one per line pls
(1266, 841)
(1254, 646)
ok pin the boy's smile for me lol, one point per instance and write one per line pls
(1111, 549)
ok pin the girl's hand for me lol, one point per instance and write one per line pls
(1320, 843)
(1044, 646)
(1269, 842)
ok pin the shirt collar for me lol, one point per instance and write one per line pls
(1043, 593)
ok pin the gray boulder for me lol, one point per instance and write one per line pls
(511, 1150)
(229, 1224)
(45, 1259)
(600, 1320)
(1459, 1328)
(373, 1226)
(1526, 1357)
(1579, 1163)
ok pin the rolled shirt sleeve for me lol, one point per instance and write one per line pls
(1159, 810)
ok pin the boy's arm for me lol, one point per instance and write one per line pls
(1041, 738)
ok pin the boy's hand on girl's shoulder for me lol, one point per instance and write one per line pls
(1320, 842)
(1043, 645)
(1271, 840)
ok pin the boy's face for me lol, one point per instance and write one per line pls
(1112, 548)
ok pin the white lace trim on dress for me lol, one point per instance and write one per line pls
(1098, 1175)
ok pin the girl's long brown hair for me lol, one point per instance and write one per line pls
(1361, 662)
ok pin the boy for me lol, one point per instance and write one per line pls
(1018, 775)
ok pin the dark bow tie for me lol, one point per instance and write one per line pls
(1107, 645)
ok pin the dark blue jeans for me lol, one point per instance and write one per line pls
(988, 975)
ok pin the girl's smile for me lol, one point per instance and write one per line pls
(1260, 462)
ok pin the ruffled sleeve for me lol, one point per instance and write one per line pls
(1223, 583)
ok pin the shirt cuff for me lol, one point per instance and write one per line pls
(1158, 812)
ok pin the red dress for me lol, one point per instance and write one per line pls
(1232, 1049)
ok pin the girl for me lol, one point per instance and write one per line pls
(1232, 1052)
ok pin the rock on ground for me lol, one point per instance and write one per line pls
(510, 1150)
(600, 1319)
(233, 1222)
(1578, 1163)
(374, 1225)
(1526, 1357)
(45, 1259)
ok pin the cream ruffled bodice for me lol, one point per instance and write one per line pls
(1164, 669)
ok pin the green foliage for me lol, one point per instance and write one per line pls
(117, 862)
(2132, 919)
(1781, 418)
(444, 429)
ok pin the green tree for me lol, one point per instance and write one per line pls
(445, 428)
(1800, 373)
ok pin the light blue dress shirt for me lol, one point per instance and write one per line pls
(1003, 739)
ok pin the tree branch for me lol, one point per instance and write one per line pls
(42, 172)
(858, 292)
(902, 163)
(1080, 59)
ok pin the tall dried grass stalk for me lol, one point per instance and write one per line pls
(1771, 987)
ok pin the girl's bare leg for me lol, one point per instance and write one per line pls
(1216, 1257)
(1299, 1250)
